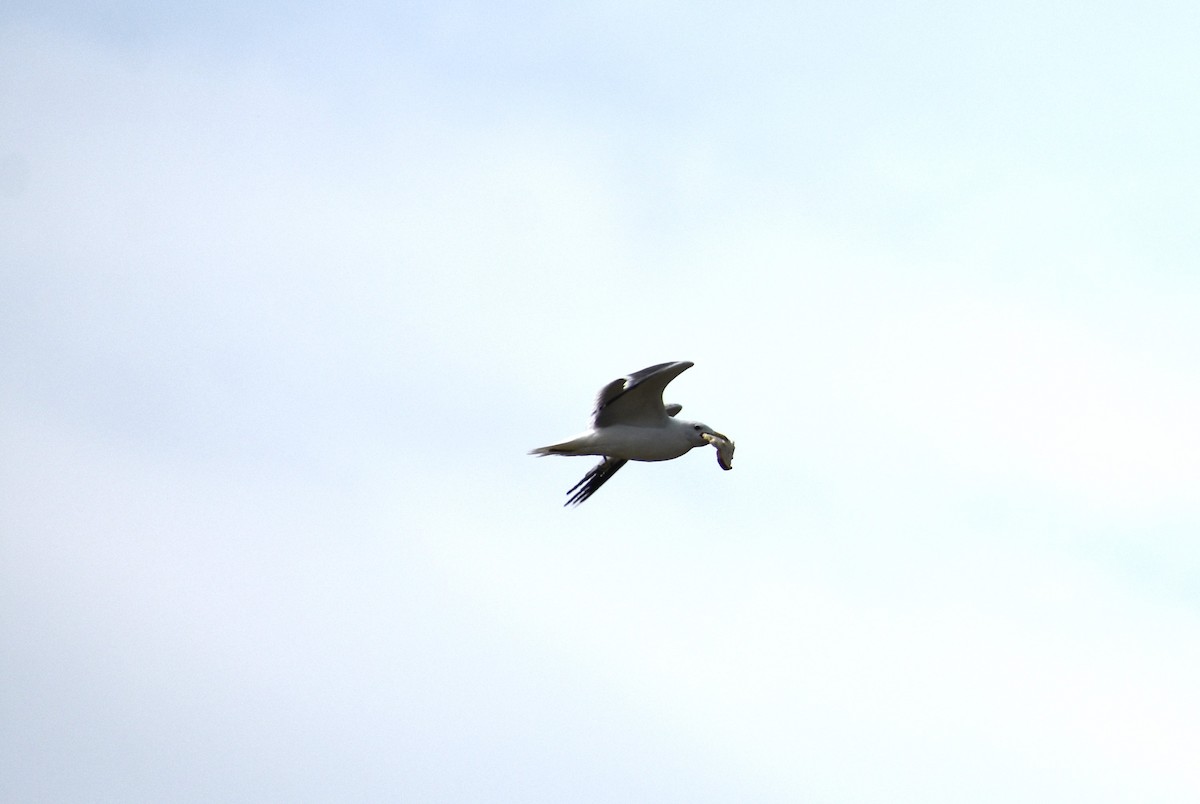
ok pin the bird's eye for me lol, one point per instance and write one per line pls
(697, 428)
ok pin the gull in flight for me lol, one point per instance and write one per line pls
(631, 423)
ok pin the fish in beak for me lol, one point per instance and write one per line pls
(724, 447)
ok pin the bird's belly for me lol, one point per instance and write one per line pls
(644, 443)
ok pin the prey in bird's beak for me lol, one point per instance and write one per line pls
(724, 447)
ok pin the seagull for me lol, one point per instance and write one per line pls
(631, 423)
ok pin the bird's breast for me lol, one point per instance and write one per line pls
(644, 443)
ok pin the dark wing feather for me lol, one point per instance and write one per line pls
(594, 479)
(637, 399)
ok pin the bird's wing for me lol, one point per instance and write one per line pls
(596, 477)
(637, 399)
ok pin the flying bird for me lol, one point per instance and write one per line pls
(631, 423)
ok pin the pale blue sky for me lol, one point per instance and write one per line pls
(287, 292)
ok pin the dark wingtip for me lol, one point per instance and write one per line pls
(596, 477)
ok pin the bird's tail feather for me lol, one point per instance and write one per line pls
(571, 447)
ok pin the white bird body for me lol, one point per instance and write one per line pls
(631, 442)
(631, 423)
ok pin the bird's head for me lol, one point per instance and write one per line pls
(701, 434)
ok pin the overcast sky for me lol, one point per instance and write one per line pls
(288, 291)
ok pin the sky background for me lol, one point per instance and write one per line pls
(287, 292)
